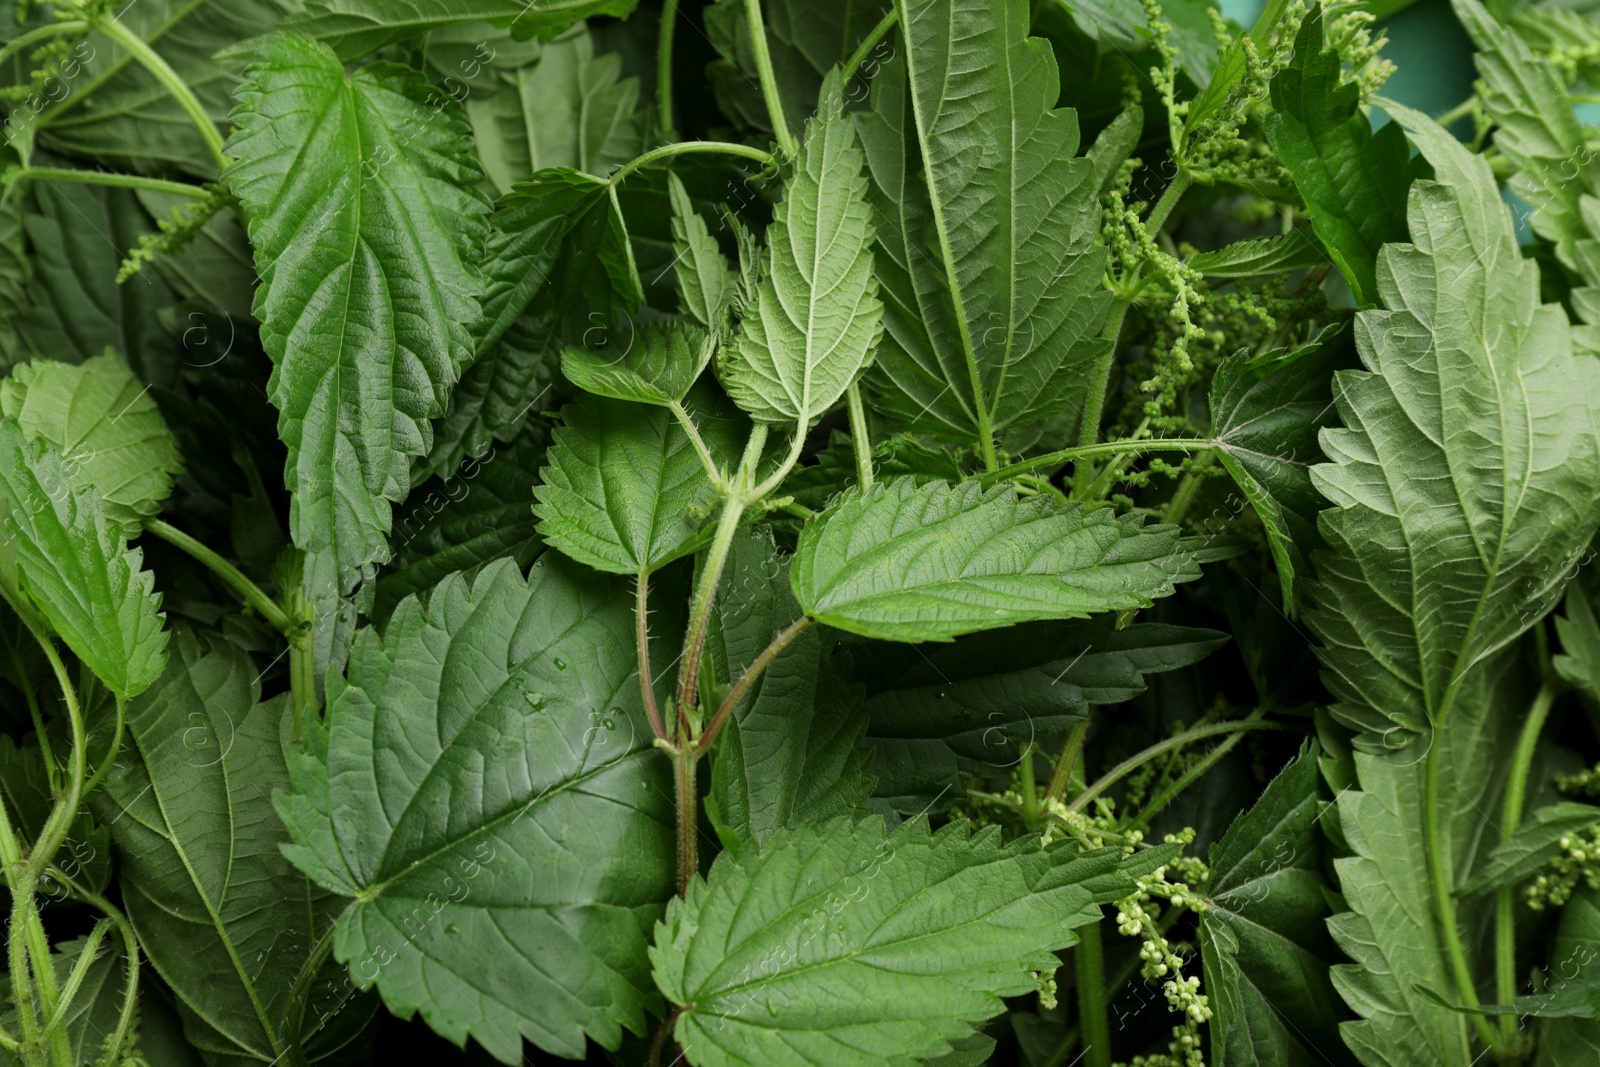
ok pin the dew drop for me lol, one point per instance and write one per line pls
(561, 664)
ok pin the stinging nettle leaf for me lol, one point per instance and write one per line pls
(1259, 256)
(843, 944)
(106, 426)
(1469, 463)
(930, 563)
(224, 917)
(486, 788)
(1353, 180)
(659, 363)
(1532, 845)
(990, 267)
(74, 567)
(816, 317)
(707, 284)
(356, 27)
(625, 490)
(366, 224)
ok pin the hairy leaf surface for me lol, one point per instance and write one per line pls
(929, 563)
(356, 27)
(659, 364)
(486, 788)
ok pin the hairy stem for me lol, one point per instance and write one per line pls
(1105, 448)
(680, 413)
(22, 1000)
(1133, 762)
(669, 31)
(43, 33)
(1505, 940)
(769, 80)
(859, 436)
(151, 60)
(1094, 401)
(1092, 1021)
(66, 809)
(685, 792)
(700, 605)
(1169, 200)
(751, 673)
(75, 978)
(130, 948)
(231, 576)
(1444, 903)
(294, 1014)
(52, 772)
(108, 178)
(641, 638)
(868, 43)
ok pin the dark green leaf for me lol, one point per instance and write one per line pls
(1534, 844)
(1259, 256)
(486, 788)
(1262, 936)
(905, 563)
(1579, 631)
(357, 27)
(1570, 972)
(1353, 181)
(658, 363)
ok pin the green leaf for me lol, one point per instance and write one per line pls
(990, 267)
(938, 713)
(790, 752)
(1391, 931)
(16, 271)
(1462, 479)
(565, 228)
(481, 511)
(1220, 91)
(805, 40)
(1533, 845)
(1557, 175)
(905, 563)
(225, 919)
(1261, 256)
(1262, 937)
(62, 557)
(1116, 143)
(1578, 627)
(119, 114)
(105, 424)
(707, 284)
(1353, 181)
(1266, 414)
(356, 27)
(93, 1014)
(215, 267)
(1570, 970)
(1122, 24)
(624, 490)
(26, 792)
(816, 317)
(365, 227)
(842, 944)
(485, 786)
(835, 471)
(571, 108)
(659, 364)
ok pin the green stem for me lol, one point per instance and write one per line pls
(294, 1015)
(860, 436)
(108, 178)
(231, 576)
(682, 148)
(751, 673)
(1068, 760)
(1505, 942)
(1183, 497)
(1439, 875)
(1169, 200)
(641, 640)
(22, 886)
(684, 761)
(101, 771)
(25, 683)
(1104, 448)
(302, 683)
(76, 976)
(1193, 774)
(1030, 791)
(1199, 733)
(66, 809)
(769, 80)
(669, 31)
(43, 33)
(1092, 1020)
(169, 79)
(700, 604)
(876, 34)
(44, 979)
(130, 948)
(682, 415)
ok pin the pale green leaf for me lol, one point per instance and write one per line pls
(1531, 847)
(1262, 255)
(1464, 479)
(485, 786)
(1115, 144)
(571, 108)
(225, 919)
(790, 753)
(75, 568)
(658, 363)
(356, 27)
(1578, 627)
(365, 227)
(1262, 937)
(986, 222)
(704, 278)
(106, 426)
(928, 564)
(624, 490)
(816, 317)
(843, 944)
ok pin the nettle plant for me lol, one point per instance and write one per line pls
(808, 533)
